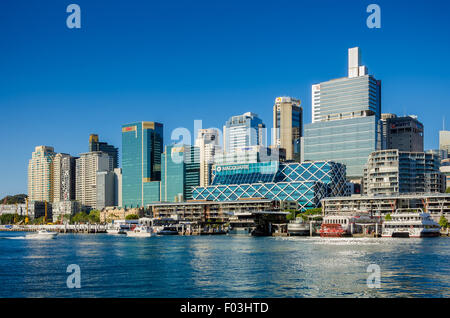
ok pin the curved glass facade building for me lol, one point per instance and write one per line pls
(306, 183)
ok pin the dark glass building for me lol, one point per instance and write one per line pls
(113, 152)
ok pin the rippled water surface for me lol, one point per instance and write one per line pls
(222, 266)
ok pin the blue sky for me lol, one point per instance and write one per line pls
(175, 61)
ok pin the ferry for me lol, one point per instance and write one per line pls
(141, 231)
(410, 223)
(121, 226)
(298, 227)
(347, 224)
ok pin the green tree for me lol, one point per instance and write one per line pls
(94, 216)
(80, 217)
(443, 222)
(132, 217)
(448, 190)
(388, 217)
(13, 199)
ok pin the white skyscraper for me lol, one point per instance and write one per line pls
(243, 131)
(444, 140)
(40, 174)
(208, 143)
(87, 167)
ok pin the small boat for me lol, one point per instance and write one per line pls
(141, 231)
(298, 227)
(43, 234)
(113, 231)
(168, 230)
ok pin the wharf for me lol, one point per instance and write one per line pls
(60, 228)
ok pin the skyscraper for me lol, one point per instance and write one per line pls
(63, 177)
(105, 189)
(243, 131)
(142, 145)
(208, 143)
(346, 123)
(444, 140)
(288, 124)
(113, 152)
(180, 172)
(40, 174)
(87, 167)
(402, 133)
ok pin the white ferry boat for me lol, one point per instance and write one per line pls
(410, 223)
(141, 231)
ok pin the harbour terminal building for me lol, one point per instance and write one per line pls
(306, 183)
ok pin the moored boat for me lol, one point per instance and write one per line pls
(410, 223)
(332, 230)
(141, 231)
(298, 227)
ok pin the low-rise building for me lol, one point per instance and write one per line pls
(112, 213)
(63, 209)
(202, 210)
(36, 209)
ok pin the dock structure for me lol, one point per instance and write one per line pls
(60, 228)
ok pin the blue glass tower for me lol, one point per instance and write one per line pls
(180, 172)
(243, 131)
(142, 145)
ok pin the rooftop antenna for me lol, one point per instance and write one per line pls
(443, 122)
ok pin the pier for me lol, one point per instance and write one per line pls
(60, 228)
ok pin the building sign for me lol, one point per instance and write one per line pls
(232, 168)
(128, 129)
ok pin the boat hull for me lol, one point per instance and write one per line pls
(131, 234)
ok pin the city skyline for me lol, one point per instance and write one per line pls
(79, 106)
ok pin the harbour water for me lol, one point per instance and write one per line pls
(222, 266)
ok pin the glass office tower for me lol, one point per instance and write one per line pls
(243, 131)
(288, 124)
(180, 172)
(113, 152)
(142, 145)
(346, 125)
